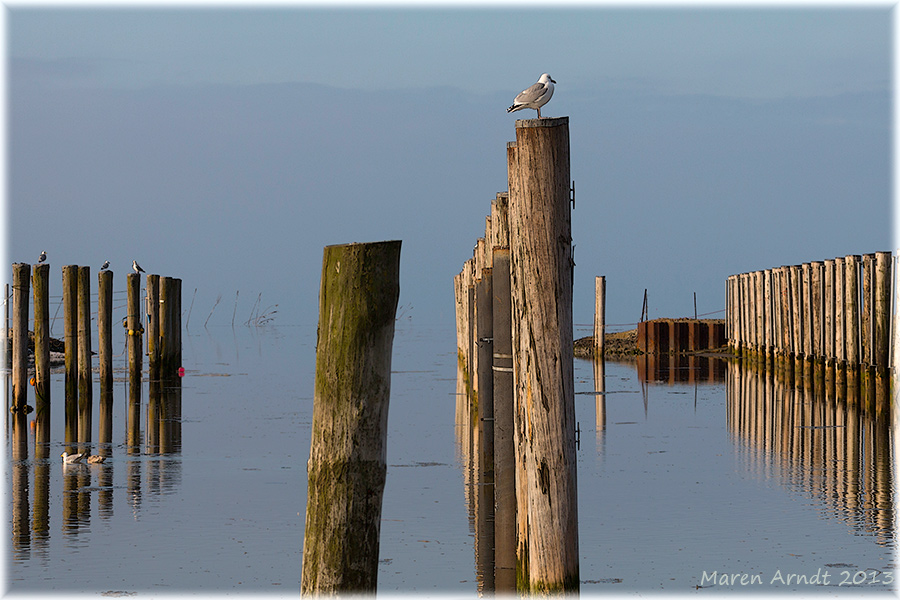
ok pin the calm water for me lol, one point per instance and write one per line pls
(673, 482)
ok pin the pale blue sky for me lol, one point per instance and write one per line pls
(226, 146)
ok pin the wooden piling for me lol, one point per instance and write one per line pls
(882, 310)
(70, 318)
(484, 329)
(851, 307)
(541, 284)
(85, 373)
(504, 443)
(599, 316)
(41, 284)
(21, 273)
(104, 331)
(346, 468)
(153, 331)
(135, 333)
(169, 326)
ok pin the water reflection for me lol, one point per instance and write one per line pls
(827, 448)
(81, 484)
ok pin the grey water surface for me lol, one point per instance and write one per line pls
(674, 484)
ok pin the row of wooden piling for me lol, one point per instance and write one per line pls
(515, 348)
(164, 343)
(830, 321)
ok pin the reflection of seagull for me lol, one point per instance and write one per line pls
(105, 265)
(95, 459)
(534, 97)
(71, 459)
(43, 256)
(137, 268)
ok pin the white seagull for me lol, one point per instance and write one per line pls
(43, 256)
(137, 268)
(71, 459)
(534, 97)
(105, 265)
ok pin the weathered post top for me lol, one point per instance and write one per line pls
(545, 122)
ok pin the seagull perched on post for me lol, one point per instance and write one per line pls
(534, 97)
(137, 268)
(43, 256)
(105, 265)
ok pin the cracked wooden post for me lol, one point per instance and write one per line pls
(21, 273)
(41, 283)
(541, 285)
(357, 307)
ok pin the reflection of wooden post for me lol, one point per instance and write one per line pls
(541, 284)
(41, 279)
(85, 374)
(346, 468)
(21, 275)
(599, 316)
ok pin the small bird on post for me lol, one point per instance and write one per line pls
(43, 256)
(105, 265)
(137, 268)
(535, 96)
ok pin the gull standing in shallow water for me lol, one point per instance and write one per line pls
(71, 459)
(534, 97)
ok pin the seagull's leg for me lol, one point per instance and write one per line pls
(539, 113)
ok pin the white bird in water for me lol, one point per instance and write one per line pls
(137, 268)
(43, 256)
(71, 459)
(534, 97)
(105, 265)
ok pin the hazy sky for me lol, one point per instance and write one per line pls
(227, 146)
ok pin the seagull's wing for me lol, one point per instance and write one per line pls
(532, 94)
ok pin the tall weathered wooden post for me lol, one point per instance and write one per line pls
(21, 285)
(153, 331)
(85, 373)
(105, 356)
(135, 331)
(104, 330)
(541, 289)
(70, 319)
(357, 307)
(503, 390)
(41, 281)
